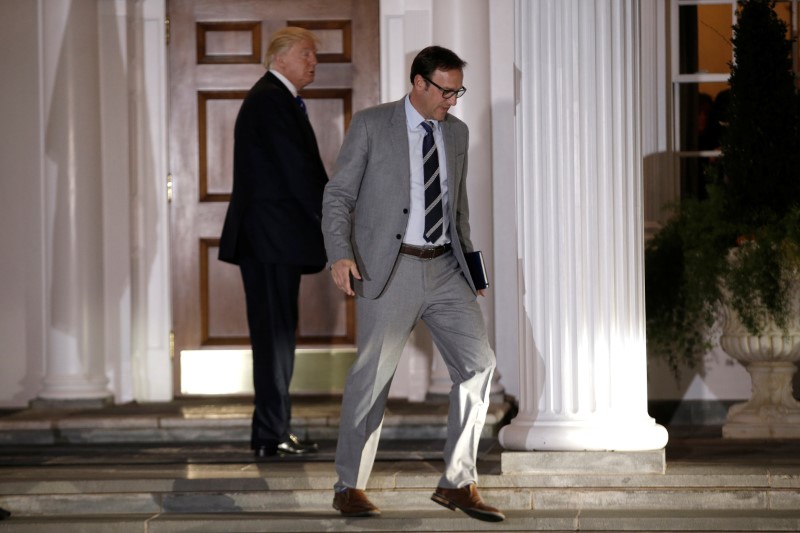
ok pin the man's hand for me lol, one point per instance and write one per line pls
(481, 292)
(341, 271)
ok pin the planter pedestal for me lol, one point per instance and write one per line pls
(772, 412)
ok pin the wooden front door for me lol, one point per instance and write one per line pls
(215, 55)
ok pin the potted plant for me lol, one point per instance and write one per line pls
(733, 259)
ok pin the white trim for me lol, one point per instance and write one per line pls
(152, 303)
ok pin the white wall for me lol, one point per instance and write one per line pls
(719, 377)
(506, 273)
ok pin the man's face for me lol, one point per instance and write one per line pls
(427, 98)
(298, 63)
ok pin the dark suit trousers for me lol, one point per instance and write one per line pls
(271, 292)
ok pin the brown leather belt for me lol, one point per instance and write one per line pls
(424, 253)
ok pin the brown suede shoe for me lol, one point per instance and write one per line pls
(353, 502)
(468, 500)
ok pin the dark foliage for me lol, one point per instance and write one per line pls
(742, 241)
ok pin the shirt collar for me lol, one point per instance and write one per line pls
(285, 81)
(413, 118)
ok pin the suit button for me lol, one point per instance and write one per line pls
(405, 211)
(398, 236)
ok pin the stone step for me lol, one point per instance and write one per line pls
(402, 521)
(69, 494)
(194, 421)
(187, 467)
(394, 486)
(405, 500)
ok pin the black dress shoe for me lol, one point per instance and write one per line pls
(291, 446)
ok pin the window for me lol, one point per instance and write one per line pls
(701, 51)
(701, 54)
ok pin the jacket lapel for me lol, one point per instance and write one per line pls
(399, 142)
(450, 152)
(291, 104)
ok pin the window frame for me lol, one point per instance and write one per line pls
(678, 79)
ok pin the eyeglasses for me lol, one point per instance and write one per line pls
(447, 93)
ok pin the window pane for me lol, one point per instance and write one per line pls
(784, 10)
(703, 114)
(705, 38)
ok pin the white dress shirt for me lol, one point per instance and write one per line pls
(285, 80)
(416, 218)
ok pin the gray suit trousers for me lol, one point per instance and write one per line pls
(435, 292)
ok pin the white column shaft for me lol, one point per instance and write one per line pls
(579, 223)
(74, 356)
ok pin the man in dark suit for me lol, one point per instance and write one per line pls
(272, 227)
(396, 226)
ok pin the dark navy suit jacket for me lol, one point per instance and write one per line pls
(278, 182)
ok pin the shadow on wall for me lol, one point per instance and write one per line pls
(700, 396)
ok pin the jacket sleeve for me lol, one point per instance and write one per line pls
(461, 203)
(342, 190)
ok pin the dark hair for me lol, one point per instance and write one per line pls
(435, 58)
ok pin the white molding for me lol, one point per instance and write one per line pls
(406, 28)
(151, 287)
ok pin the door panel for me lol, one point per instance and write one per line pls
(215, 53)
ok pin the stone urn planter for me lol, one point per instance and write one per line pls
(770, 358)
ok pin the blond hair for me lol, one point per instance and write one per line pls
(283, 39)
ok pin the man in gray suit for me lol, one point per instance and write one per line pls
(395, 219)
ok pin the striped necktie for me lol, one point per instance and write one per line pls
(434, 212)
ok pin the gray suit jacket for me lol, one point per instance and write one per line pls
(366, 204)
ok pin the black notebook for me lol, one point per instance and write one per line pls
(477, 269)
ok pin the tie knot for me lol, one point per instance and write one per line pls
(428, 126)
(300, 102)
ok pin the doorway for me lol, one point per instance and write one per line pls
(215, 55)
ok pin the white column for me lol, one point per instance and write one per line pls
(74, 360)
(150, 248)
(580, 230)
(463, 27)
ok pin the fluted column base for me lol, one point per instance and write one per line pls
(565, 435)
(78, 403)
(67, 388)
